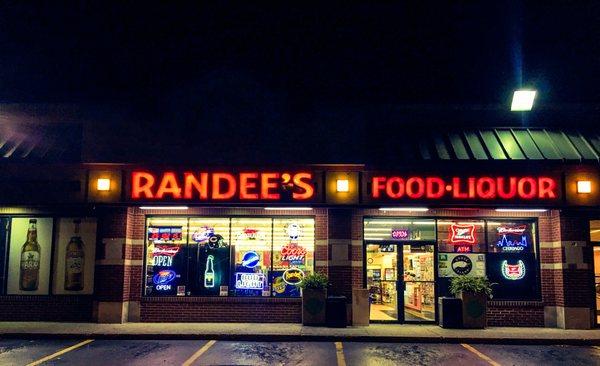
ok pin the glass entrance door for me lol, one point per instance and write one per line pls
(419, 283)
(401, 282)
(382, 281)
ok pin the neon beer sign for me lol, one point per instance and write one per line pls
(462, 234)
(221, 186)
(461, 188)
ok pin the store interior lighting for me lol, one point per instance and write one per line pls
(521, 210)
(163, 207)
(404, 209)
(288, 208)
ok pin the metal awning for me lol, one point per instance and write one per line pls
(509, 144)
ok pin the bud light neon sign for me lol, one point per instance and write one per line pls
(163, 279)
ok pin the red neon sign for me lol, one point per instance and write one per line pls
(220, 186)
(485, 188)
(462, 234)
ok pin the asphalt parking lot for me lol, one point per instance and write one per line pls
(208, 352)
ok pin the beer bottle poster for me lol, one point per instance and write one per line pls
(74, 257)
(29, 256)
(4, 225)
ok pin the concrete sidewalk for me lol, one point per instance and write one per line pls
(297, 332)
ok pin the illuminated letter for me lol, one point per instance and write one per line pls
(168, 185)
(389, 187)
(302, 181)
(420, 190)
(267, 184)
(547, 188)
(488, 192)
(532, 188)
(435, 187)
(472, 187)
(137, 187)
(512, 188)
(246, 184)
(377, 186)
(190, 183)
(456, 193)
(216, 186)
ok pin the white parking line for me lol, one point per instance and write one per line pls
(480, 355)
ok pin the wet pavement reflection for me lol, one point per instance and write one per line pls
(202, 352)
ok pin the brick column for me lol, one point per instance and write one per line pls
(340, 242)
(118, 266)
(566, 259)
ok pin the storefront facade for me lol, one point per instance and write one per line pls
(123, 243)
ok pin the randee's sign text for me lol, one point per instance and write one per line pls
(490, 188)
(218, 186)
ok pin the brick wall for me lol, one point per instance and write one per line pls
(515, 314)
(230, 310)
(65, 308)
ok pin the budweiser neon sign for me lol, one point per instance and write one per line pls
(169, 251)
(462, 234)
(219, 186)
(518, 229)
(480, 188)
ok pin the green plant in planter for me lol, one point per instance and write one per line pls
(314, 281)
(475, 285)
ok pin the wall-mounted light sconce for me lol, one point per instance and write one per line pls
(342, 185)
(103, 184)
(584, 186)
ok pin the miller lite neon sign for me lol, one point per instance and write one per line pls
(462, 234)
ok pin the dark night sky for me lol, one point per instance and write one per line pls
(256, 79)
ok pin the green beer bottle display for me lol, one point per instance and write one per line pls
(30, 260)
(74, 261)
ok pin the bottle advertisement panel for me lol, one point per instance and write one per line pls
(4, 224)
(74, 256)
(29, 256)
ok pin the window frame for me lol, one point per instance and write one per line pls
(230, 293)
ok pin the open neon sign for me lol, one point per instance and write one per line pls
(484, 188)
(255, 186)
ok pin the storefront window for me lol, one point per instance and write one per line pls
(209, 245)
(461, 236)
(399, 229)
(74, 256)
(222, 256)
(166, 257)
(511, 260)
(252, 243)
(293, 254)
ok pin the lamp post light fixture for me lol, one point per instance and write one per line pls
(523, 100)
